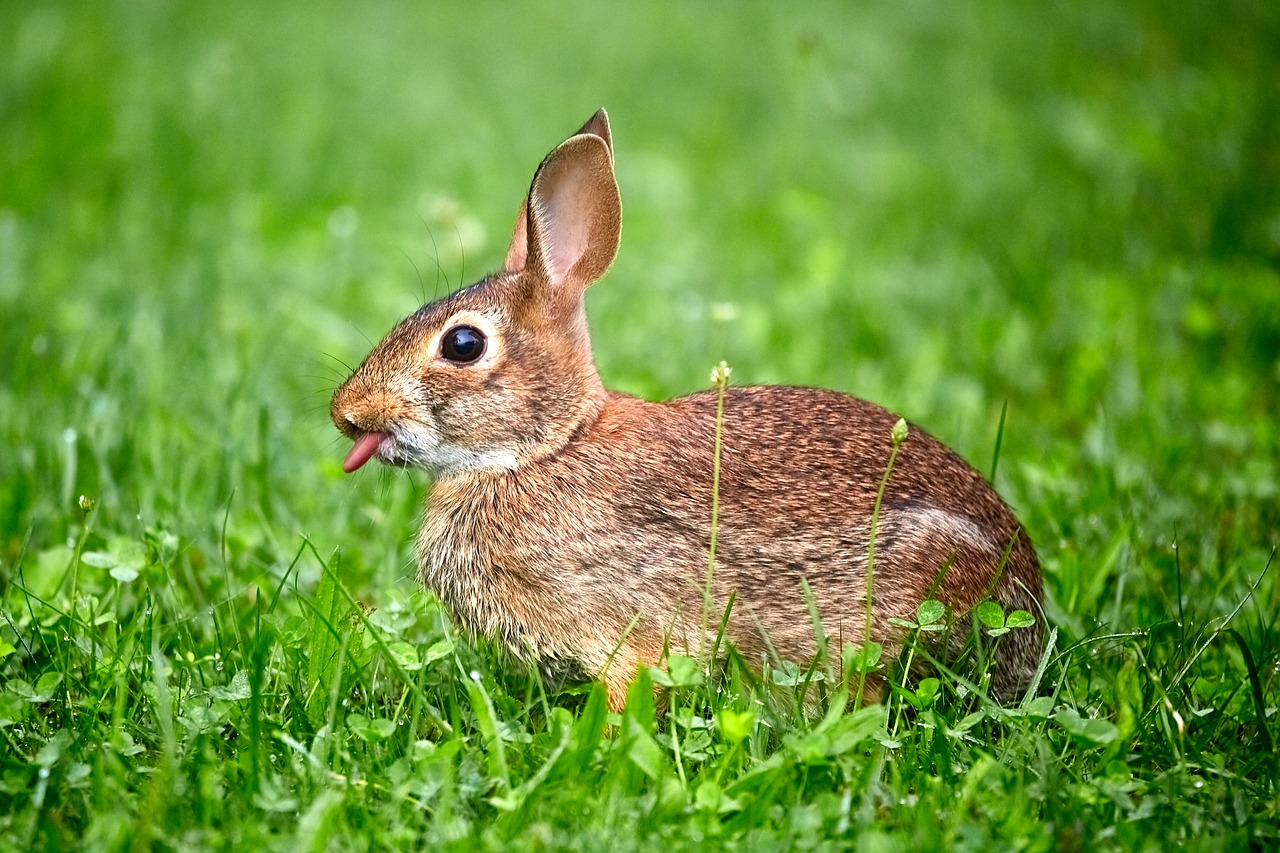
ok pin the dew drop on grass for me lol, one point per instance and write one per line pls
(44, 772)
(475, 676)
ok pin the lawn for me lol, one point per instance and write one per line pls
(1048, 233)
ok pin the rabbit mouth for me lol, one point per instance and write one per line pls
(365, 448)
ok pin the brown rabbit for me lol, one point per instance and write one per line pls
(573, 522)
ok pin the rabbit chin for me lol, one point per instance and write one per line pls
(440, 459)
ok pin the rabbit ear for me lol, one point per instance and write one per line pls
(569, 226)
(518, 251)
(598, 125)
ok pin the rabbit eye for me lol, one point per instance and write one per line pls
(462, 344)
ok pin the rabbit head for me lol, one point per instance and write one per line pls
(502, 370)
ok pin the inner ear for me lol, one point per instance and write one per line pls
(574, 213)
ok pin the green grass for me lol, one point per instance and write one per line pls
(1068, 209)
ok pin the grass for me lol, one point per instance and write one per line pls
(212, 639)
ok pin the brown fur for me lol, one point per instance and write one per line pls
(574, 523)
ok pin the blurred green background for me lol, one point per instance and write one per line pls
(207, 211)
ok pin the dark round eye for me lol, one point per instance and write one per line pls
(462, 344)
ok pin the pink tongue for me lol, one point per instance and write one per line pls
(365, 446)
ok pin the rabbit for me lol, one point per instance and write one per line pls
(572, 523)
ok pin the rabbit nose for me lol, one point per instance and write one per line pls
(352, 425)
